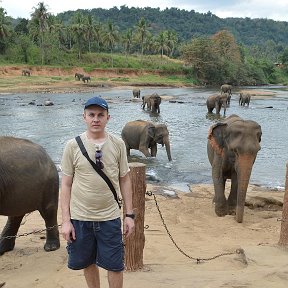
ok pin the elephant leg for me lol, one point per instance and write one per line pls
(145, 151)
(52, 233)
(232, 199)
(220, 199)
(154, 150)
(11, 228)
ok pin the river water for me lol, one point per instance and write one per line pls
(186, 118)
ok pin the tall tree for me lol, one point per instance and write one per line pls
(5, 29)
(162, 43)
(142, 29)
(172, 40)
(90, 30)
(206, 64)
(127, 39)
(111, 35)
(79, 28)
(39, 20)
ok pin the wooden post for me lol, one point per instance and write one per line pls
(134, 244)
(284, 224)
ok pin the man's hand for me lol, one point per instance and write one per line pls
(129, 225)
(68, 231)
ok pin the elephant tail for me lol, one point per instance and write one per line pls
(214, 144)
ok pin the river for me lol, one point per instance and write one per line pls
(186, 118)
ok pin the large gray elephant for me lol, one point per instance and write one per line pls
(144, 135)
(153, 102)
(217, 101)
(29, 181)
(232, 149)
(244, 98)
(136, 92)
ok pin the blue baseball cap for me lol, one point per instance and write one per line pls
(96, 101)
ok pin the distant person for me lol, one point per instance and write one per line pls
(90, 214)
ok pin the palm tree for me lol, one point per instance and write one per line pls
(39, 20)
(162, 43)
(172, 40)
(142, 29)
(127, 40)
(5, 25)
(57, 28)
(110, 36)
(90, 28)
(79, 28)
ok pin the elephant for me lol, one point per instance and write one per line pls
(136, 93)
(217, 101)
(26, 72)
(29, 181)
(232, 149)
(153, 102)
(226, 88)
(86, 78)
(244, 98)
(78, 76)
(144, 135)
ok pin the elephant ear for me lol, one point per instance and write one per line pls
(216, 137)
(151, 131)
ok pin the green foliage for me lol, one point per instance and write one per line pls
(96, 39)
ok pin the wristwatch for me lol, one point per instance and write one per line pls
(132, 216)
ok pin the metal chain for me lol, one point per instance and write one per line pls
(198, 260)
(29, 233)
(282, 219)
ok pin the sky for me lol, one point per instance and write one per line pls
(275, 9)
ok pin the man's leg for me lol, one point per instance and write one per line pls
(92, 277)
(115, 279)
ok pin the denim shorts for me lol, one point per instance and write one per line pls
(97, 243)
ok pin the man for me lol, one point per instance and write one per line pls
(90, 214)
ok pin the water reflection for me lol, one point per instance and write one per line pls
(184, 112)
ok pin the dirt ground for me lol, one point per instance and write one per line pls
(195, 229)
(60, 80)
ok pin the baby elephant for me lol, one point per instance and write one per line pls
(26, 72)
(217, 101)
(244, 98)
(86, 78)
(136, 93)
(152, 101)
(144, 135)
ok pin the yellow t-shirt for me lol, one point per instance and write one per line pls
(91, 198)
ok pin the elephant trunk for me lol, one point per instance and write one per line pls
(244, 169)
(167, 146)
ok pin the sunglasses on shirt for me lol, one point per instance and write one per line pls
(98, 157)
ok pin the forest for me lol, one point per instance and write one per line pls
(202, 46)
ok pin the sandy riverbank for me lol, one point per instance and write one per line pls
(195, 228)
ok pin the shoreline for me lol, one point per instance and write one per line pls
(195, 228)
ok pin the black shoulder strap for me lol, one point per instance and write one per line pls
(98, 170)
